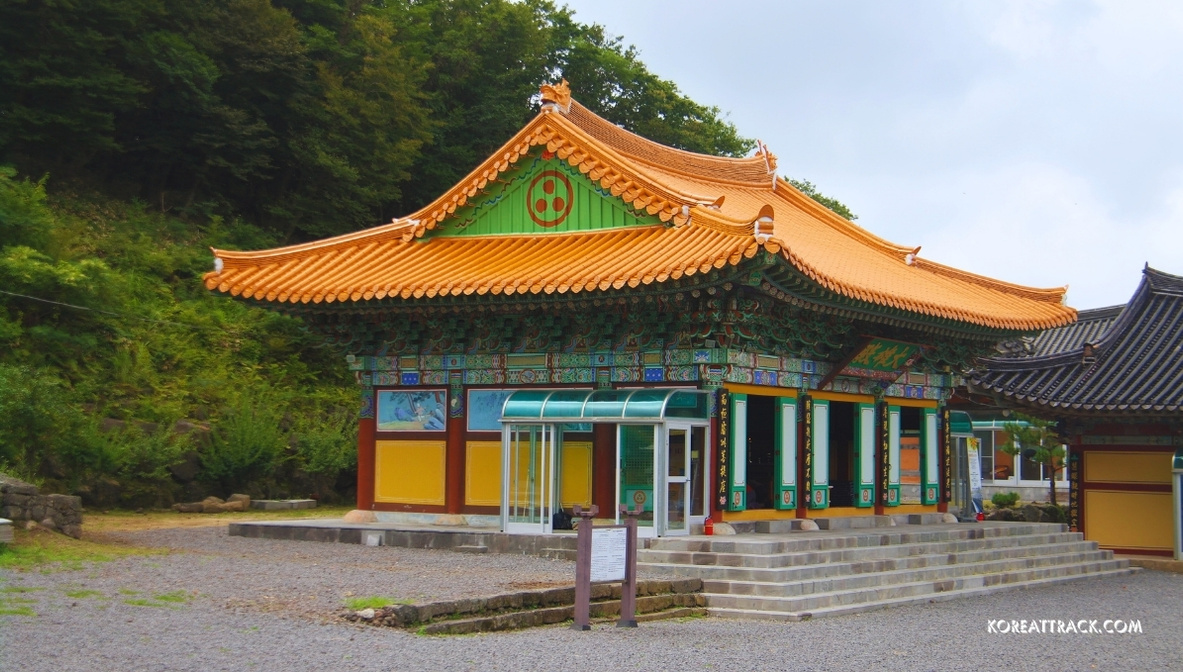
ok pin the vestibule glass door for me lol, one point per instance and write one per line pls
(529, 495)
(675, 505)
(636, 465)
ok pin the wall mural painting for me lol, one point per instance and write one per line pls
(412, 410)
(484, 409)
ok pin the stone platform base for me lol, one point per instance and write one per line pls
(5, 531)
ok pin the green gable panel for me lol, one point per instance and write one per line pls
(541, 196)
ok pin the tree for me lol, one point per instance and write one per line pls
(1037, 440)
(838, 207)
(610, 80)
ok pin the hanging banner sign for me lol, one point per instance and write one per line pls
(975, 474)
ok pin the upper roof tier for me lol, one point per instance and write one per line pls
(573, 203)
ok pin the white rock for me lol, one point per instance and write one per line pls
(367, 614)
(359, 516)
(724, 529)
(809, 526)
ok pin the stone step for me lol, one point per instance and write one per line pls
(769, 558)
(730, 612)
(901, 576)
(786, 525)
(559, 554)
(827, 570)
(825, 600)
(819, 541)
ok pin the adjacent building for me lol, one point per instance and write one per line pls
(1114, 381)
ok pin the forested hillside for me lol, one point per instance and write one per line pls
(134, 134)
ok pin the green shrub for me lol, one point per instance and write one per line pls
(248, 443)
(1005, 500)
(325, 448)
(140, 462)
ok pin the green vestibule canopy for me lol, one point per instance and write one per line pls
(582, 406)
(960, 423)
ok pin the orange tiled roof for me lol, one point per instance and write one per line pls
(718, 211)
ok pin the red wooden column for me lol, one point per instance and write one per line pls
(604, 466)
(716, 508)
(365, 463)
(881, 465)
(454, 485)
(945, 463)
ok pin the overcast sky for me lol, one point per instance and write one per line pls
(1040, 143)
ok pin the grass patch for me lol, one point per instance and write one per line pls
(372, 602)
(49, 551)
(10, 605)
(177, 596)
(171, 600)
(141, 602)
(21, 589)
(81, 594)
(117, 520)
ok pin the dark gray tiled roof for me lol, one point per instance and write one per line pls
(1089, 327)
(1138, 366)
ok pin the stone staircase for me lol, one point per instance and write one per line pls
(801, 575)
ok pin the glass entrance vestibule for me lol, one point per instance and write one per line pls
(662, 455)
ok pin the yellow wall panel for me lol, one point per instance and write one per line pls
(410, 472)
(575, 482)
(1127, 467)
(482, 473)
(1135, 520)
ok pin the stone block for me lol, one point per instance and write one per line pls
(245, 499)
(6, 533)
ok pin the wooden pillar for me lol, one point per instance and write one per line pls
(365, 463)
(454, 483)
(604, 466)
(945, 468)
(804, 455)
(716, 509)
(882, 476)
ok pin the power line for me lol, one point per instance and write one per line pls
(108, 312)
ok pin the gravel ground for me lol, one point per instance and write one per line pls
(232, 603)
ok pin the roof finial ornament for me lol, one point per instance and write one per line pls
(769, 157)
(556, 97)
(763, 224)
(910, 258)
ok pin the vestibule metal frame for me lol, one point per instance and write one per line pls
(549, 410)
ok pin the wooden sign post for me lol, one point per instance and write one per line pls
(628, 590)
(606, 554)
(583, 548)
